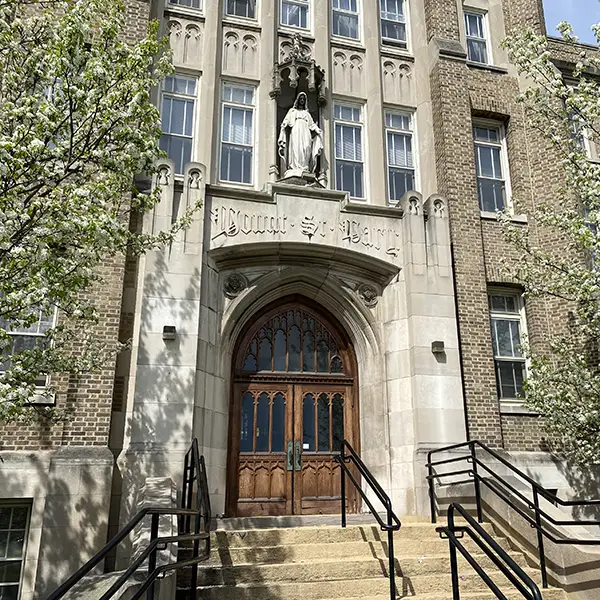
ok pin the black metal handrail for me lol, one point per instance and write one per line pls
(515, 574)
(194, 508)
(393, 522)
(496, 483)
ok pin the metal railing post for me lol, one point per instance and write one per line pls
(540, 537)
(343, 486)
(152, 557)
(476, 482)
(431, 489)
(392, 562)
(453, 561)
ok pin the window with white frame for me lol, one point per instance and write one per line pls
(27, 338)
(492, 166)
(477, 41)
(294, 13)
(14, 522)
(237, 133)
(508, 326)
(393, 22)
(177, 119)
(349, 166)
(345, 18)
(197, 4)
(241, 8)
(400, 154)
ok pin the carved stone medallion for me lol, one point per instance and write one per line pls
(234, 285)
(368, 294)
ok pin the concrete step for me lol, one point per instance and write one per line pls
(228, 556)
(324, 535)
(424, 588)
(336, 569)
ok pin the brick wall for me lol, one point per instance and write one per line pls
(460, 93)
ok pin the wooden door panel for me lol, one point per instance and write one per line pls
(322, 418)
(263, 484)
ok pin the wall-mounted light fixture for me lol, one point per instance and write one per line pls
(437, 347)
(169, 332)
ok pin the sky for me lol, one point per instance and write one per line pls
(581, 14)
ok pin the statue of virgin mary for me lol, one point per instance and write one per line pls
(301, 137)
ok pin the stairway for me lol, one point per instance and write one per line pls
(324, 561)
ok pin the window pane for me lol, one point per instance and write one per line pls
(491, 195)
(337, 425)
(278, 424)
(400, 182)
(265, 353)
(247, 425)
(308, 352)
(323, 421)
(16, 541)
(293, 15)
(484, 161)
(294, 349)
(345, 25)
(190, 3)
(5, 515)
(477, 50)
(262, 423)
(280, 350)
(510, 378)
(10, 592)
(349, 178)
(178, 149)
(308, 423)
(393, 30)
(236, 163)
(241, 8)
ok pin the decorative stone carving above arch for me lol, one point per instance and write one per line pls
(289, 47)
(348, 73)
(185, 38)
(240, 53)
(398, 83)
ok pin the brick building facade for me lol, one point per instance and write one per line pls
(385, 247)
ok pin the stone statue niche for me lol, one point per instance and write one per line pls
(299, 90)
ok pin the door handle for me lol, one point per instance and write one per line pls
(290, 451)
(298, 463)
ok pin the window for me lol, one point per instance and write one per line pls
(177, 119)
(190, 3)
(294, 13)
(400, 157)
(348, 131)
(345, 18)
(241, 8)
(477, 45)
(237, 134)
(27, 338)
(491, 166)
(393, 22)
(507, 321)
(13, 536)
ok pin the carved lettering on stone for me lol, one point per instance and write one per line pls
(231, 222)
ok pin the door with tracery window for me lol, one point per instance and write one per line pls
(293, 404)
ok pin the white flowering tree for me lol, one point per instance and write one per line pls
(563, 382)
(77, 124)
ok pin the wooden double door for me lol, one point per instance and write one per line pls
(289, 433)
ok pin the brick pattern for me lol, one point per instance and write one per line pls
(460, 93)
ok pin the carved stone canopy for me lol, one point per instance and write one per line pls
(293, 65)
